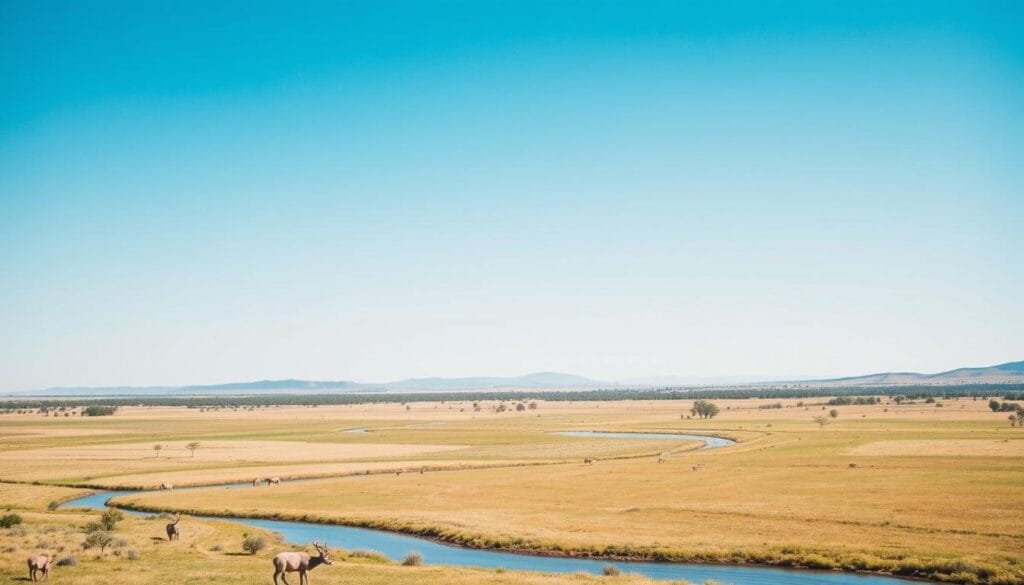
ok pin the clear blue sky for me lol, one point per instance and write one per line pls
(197, 192)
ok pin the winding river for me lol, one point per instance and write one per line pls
(397, 546)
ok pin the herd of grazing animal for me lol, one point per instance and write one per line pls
(284, 562)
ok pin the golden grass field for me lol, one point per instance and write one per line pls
(916, 488)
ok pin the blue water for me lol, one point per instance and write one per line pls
(397, 546)
(709, 441)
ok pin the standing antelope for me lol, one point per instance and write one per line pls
(273, 480)
(166, 486)
(661, 458)
(172, 529)
(289, 562)
(37, 564)
(588, 461)
(256, 481)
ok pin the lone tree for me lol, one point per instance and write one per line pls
(192, 447)
(822, 420)
(833, 413)
(157, 449)
(704, 409)
(100, 538)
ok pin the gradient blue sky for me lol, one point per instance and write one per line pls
(195, 192)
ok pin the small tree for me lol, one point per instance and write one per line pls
(822, 420)
(253, 544)
(110, 518)
(704, 409)
(533, 405)
(100, 538)
(994, 405)
(157, 449)
(192, 447)
(520, 407)
(833, 413)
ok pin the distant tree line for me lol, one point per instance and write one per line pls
(898, 393)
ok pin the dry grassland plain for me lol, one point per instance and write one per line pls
(915, 489)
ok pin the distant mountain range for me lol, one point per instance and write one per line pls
(1012, 372)
(539, 380)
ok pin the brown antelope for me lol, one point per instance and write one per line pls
(290, 562)
(166, 486)
(661, 458)
(588, 461)
(172, 529)
(256, 481)
(39, 564)
(273, 480)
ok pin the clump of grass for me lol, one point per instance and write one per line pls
(610, 571)
(216, 548)
(133, 555)
(413, 559)
(68, 561)
(371, 555)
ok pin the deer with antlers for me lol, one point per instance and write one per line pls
(301, 562)
(172, 529)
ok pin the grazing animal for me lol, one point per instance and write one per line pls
(290, 562)
(273, 480)
(698, 467)
(661, 458)
(172, 529)
(166, 486)
(588, 461)
(39, 564)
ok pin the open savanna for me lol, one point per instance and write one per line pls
(914, 489)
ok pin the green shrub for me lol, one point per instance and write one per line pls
(610, 571)
(8, 520)
(53, 505)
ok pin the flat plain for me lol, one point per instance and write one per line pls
(927, 489)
